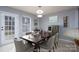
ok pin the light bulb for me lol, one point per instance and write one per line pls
(39, 16)
(39, 11)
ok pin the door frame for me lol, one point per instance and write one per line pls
(2, 14)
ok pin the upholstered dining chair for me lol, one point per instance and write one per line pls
(49, 45)
(36, 45)
(76, 45)
(21, 47)
(56, 40)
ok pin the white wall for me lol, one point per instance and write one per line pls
(19, 12)
(72, 20)
(0, 32)
(78, 18)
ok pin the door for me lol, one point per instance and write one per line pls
(7, 27)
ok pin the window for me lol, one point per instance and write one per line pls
(53, 20)
(26, 24)
(9, 25)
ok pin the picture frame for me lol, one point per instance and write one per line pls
(65, 21)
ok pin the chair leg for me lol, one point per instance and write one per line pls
(39, 49)
(49, 50)
(53, 49)
(55, 45)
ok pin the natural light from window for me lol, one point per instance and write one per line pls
(53, 20)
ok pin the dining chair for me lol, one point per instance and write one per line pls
(76, 45)
(36, 45)
(49, 45)
(56, 40)
(21, 47)
(28, 33)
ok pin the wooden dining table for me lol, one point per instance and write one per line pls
(36, 38)
(33, 40)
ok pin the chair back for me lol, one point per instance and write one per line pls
(57, 37)
(19, 45)
(28, 33)
(50, 42)
(76, 42)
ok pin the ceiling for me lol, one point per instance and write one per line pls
(46, 9)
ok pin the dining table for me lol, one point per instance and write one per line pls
(36, 38)
(33, 39)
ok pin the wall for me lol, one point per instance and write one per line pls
(78, 18)
(72, 20)
(0, 31)
(20, 13)
(36, 21)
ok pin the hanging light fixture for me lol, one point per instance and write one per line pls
(39, 12)
(39, 16)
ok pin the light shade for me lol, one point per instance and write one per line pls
(39, 11)
(39, 16)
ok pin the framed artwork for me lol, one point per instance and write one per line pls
(65, 21)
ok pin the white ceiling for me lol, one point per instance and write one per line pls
(46, 9)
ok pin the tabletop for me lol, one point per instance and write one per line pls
(31, 38)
